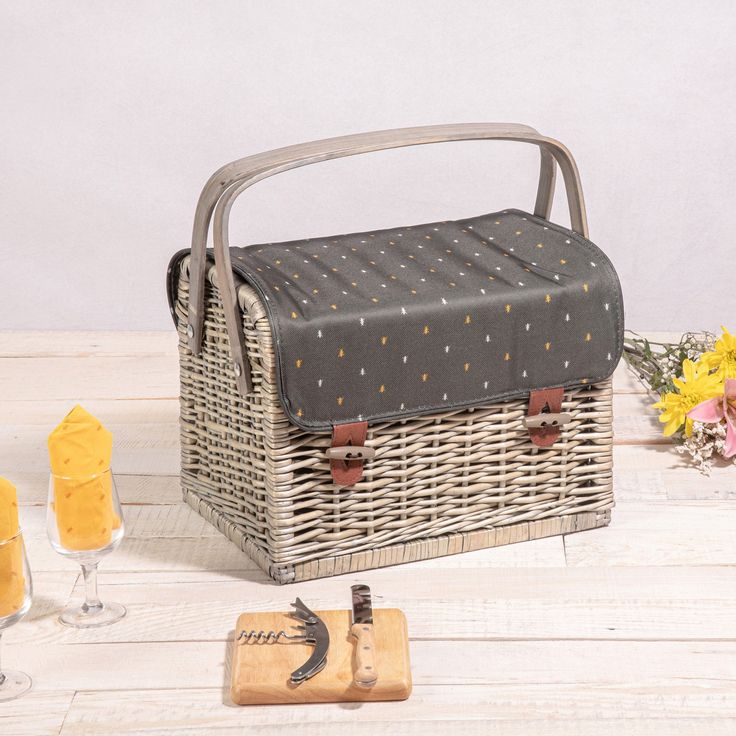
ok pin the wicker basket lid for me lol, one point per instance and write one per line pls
(406, 321)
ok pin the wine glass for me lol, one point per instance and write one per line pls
(16, 592)
(84, 522)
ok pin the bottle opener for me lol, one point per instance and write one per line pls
(315, 633)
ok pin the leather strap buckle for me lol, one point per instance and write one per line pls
(348, 452)
(545, 417)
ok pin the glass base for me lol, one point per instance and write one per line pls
(81, 617)
(14, 685)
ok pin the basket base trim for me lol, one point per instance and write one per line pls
(396, 554)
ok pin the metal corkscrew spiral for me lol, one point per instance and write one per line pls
(270, 637)
(314, 633)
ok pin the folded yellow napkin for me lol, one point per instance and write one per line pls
(80, 450)
(11, 553)
(8, 510)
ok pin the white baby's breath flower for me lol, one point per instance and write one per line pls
(657, 365)
(706, 445)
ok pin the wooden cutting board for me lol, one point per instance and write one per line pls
(260, 672)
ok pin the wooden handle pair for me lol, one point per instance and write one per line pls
(365, 673)
(231, 180)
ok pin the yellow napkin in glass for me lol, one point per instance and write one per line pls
(11, 557)
(80, 450)
(8, 510)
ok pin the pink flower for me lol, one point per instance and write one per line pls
(717, 410)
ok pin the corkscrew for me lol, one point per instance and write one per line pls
(314, 632)
(271, 637)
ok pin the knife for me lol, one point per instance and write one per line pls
(365, 674)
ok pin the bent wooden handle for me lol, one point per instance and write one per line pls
(231, 180)
(365, 673)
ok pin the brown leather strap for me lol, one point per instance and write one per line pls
(348, 472)
(538, 400)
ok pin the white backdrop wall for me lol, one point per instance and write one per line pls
(115, 113)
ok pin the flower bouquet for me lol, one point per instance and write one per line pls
(696, 383)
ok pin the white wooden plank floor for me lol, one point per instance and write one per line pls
(629, 629)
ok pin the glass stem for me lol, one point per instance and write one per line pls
(2, 676)
(92, 603)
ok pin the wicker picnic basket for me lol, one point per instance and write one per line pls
(370, 399)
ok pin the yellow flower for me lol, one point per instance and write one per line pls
(723, 358)
(697, 384)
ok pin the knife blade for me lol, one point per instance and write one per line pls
(365, 674)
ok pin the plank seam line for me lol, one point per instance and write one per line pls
(68, 710)
(146, 642)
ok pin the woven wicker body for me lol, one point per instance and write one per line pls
(439, 484)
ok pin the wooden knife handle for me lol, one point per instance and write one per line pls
(365, 674)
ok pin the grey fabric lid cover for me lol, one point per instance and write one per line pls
(399, 322)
